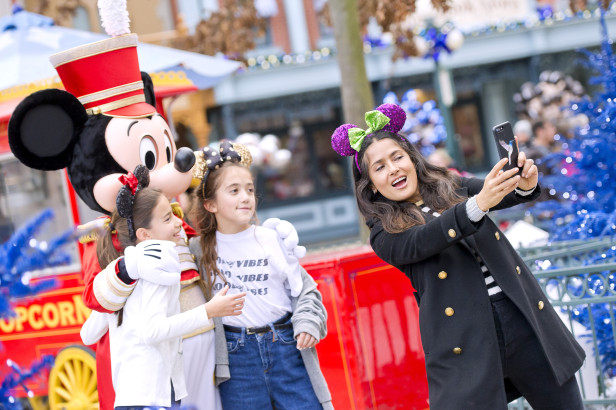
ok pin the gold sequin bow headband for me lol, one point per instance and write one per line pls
(210, 159)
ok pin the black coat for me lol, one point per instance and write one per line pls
(462, 354)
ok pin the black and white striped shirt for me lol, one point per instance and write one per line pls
(493, 289)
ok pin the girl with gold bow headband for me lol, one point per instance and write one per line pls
(283, 312)
(487, 329)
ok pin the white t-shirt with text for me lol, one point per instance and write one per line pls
(253, 261)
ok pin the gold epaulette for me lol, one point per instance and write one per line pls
(89, 232)
(177, 210)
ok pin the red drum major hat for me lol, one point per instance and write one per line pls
(105, 77)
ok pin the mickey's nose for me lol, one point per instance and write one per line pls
(184, 159)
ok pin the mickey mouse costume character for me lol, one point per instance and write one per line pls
(102, 127)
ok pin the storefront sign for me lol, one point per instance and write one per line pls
(473, 14)
(477, 13)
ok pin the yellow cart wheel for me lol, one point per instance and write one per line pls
(72, 380)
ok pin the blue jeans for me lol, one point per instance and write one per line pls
(267, 372)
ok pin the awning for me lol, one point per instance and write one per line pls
(28, 40)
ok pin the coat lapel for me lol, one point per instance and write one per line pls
(469, 241)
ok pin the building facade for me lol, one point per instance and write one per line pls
(300, 102)
(290, 88)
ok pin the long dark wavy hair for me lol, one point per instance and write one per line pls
(437, 187)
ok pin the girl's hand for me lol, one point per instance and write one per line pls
(305, 341)
(497, 185)
(530, 173)
(225, 305)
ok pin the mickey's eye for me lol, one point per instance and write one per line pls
(168, 149)
(147, 152)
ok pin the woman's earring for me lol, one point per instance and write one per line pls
(374, 191)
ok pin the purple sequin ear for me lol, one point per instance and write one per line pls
(397, 117)
(340, 140)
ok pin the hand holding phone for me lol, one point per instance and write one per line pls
(506, 144)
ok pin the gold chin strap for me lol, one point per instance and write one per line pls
(177, 210)
(114, 105)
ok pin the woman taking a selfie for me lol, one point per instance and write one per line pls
(488, 331)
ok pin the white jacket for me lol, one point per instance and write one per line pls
(147, 347)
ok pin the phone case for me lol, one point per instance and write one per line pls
(506, 144)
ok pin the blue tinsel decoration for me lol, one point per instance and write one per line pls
(584, 176)
(18, 378)
(424, 126)
(584, 172)
(599, 313)
(437, 41)
(19, 258)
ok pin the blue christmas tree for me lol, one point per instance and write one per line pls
(584, 172)
(584, 177)
(18, 378)
(19, 257)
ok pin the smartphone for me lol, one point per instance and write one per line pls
(506, 144)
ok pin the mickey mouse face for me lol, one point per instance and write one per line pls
(51, 130)
(144, 141)
(148, 142)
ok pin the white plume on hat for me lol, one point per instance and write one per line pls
(114, 17)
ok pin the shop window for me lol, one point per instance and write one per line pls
(467, 124)
(315, 170)
(264, 40)
(81, 19)
(326, 32)
(25, 193)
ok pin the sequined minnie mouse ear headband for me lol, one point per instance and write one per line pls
(132, 182)
(348, 139)
(210, 159)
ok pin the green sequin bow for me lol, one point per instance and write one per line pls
(375, 120)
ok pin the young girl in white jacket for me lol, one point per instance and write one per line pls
(145, 336)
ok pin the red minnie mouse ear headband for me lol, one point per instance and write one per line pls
(348, 139)
(125, 199)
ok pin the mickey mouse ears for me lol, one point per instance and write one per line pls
(347, 139)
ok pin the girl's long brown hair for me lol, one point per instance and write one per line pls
(206, 226)
(437, 187)
(143, 205)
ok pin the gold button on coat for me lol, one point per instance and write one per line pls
(517, 269)
(449, 311)
(442, 275)
(452, 233)
(497, 235)
(540, 305)
(457, 350)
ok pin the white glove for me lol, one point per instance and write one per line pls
(153, 260)
(288, 235)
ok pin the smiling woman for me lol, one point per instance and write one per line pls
(474, 290)
(391, 171)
